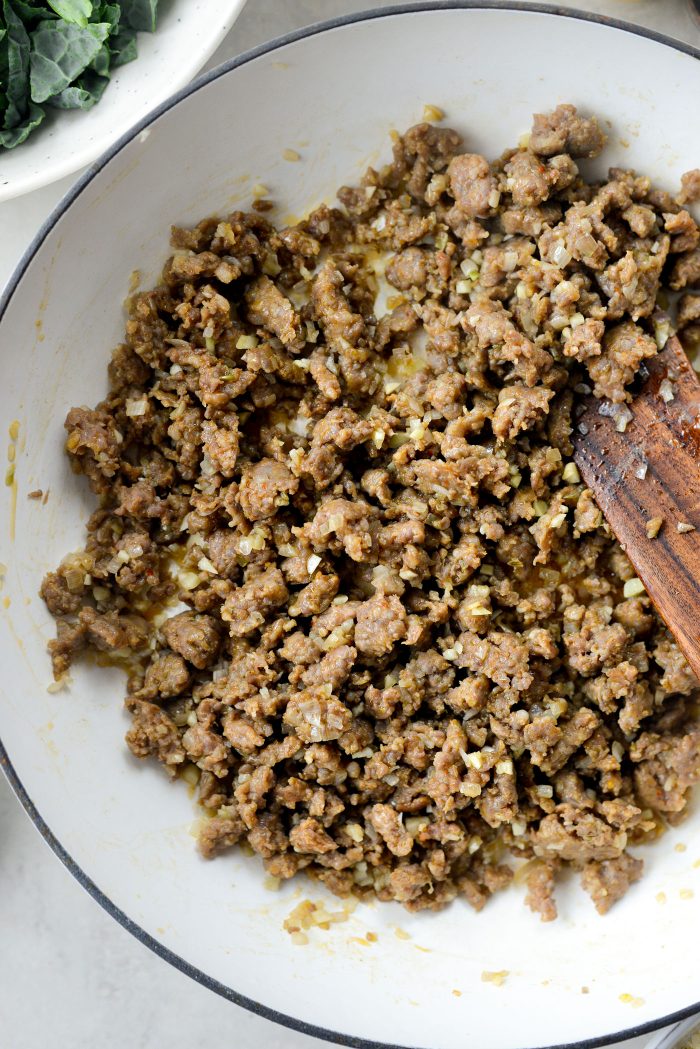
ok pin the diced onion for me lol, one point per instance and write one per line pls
(135, 408)
(667, 392)
(247, 342)
(633, 587)
(571, 474)
(653, 527)
(560, 256)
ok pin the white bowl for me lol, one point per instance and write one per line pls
(331, 93)
(188, 33)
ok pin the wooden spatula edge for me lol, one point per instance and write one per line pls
(661, 442)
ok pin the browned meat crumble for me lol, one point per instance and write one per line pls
(405, 651)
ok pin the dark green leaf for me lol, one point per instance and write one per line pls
(76, 11)
(15, 136)
(32, 11)
(140, 14)
(123, 45)
(17, 51)
(60, 53)
(107, 13)
(101, 61)
(3, 73)
(83, 94)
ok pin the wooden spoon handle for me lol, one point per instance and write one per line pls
(651, 471)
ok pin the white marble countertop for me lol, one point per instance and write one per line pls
(70, 977)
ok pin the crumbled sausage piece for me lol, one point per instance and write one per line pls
(300, 649)
(408, 269)
(585, 340)
(351, 524)
(241, 734)
(221, 445)
(321, 373)
(309, 836)
(60, 599)
(334, 669)
(196, 638)
(316, 716)
(587, 516)
(501, 658)
(684, 231)
(219, 834)
(381, 622)
(688, 310)
(153, 732)
(685, 272)
(595, 643)
(334, 437)
(494, 329)
(338, 320)
(569, 737)
(642, 219)
(70, 639)
(206, 749)
(459, 563)
(631, 284)
(264, 487)
(473, 186)
(564, 130)
(113, 631)
(246, 608)
(94, 442)
(316, 596)
(666, 769)
(528, 179)
(540, 891)
(387, 822)
(570, 834)
(677, 676)
(624, 348)
(168, 675)
(578, 237)
(446, 394)
(608, 881)
(690, 187)
(407, 881)
(268, 307)
(520, 408)
(223, 551)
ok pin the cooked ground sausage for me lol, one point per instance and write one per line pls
(402, 647)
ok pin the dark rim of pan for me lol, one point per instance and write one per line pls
(184, 966)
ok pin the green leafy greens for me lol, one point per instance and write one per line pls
(60, 53)
(76, 11)
(140, 14)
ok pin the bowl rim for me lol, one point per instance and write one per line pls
(314, 29)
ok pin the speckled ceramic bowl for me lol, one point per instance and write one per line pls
(332, 94)
(189, 31)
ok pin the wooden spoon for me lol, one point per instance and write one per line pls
(651, 471)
